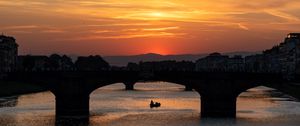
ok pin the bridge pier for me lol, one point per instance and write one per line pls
(72, 98)
(129, 85)
(72, 106)
(218, 106)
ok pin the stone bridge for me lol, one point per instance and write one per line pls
(218, 90)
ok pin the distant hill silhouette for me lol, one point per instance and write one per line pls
(123, 60)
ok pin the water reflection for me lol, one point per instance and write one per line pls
(114, 106)
(72, 121)
(218, 122)
(8, 101)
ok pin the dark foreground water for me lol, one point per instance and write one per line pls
(112, 106)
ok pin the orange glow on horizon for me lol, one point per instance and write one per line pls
(159, 50)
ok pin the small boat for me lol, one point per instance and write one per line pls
(156, 104)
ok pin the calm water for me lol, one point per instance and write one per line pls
(113, 106)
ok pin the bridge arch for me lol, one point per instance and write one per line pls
(143, 96)
(255, 99)
(40, 86)
(183, 86)
(129, 84)
(248, 85)
(261, 88)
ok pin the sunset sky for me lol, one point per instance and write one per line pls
(126, 27)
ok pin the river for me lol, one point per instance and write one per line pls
(113, 106)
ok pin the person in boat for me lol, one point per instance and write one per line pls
(156, 104)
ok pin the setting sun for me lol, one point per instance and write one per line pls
(159, 50)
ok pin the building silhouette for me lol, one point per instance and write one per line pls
(53, 62)
(213, 62)
(32, 63)
(8, 53)
(236, 63)
(283, 58)
(290, 53)
(60, 63)
(91, 63)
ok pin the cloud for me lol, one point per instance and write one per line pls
(153, 4)
(161, 29)
(21, 32)
(33, 29)
(20, 27)
(53, 31)
(101, 31)
(283, 15)
(243, 26)
(256, 17)
(126, 36)
(114, 19)
(157, 34)
(118, 24)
